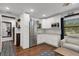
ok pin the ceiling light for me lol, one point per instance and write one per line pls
(31, 10)
(44, 15)
(7, 8)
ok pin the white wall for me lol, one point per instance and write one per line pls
(25, 18)
(0, 33)
(9, 20)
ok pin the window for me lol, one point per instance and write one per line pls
(71, 26)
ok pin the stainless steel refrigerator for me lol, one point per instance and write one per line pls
(32, 33)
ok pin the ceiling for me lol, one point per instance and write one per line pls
(39, 9)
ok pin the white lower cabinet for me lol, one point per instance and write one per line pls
(48, 38)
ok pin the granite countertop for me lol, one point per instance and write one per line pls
(48, 31)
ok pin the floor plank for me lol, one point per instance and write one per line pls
(8, 49)
(34, 51)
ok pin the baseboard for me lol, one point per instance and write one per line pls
(49, 44)
(44, 43)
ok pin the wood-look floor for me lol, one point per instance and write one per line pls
(34, 51)
(8, 49)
